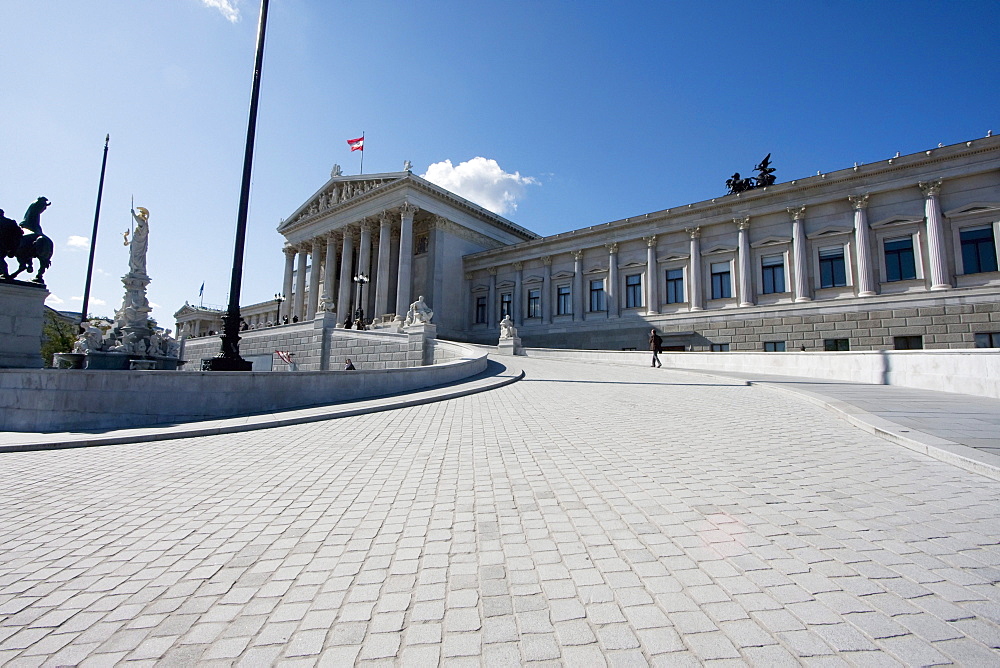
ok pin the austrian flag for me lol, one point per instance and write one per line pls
(357, 144)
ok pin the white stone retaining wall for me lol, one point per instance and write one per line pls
(78, 399)
(315, 347)
(975, 371)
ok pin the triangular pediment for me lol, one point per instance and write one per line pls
(770, 241)
(896, 220)
(631, 265)
(974, 208)
(534, 279)
(506, 284)
(597, 270)
(673, 257)
(719, 248)
(829, 232)
(339, 192)
(563, 274)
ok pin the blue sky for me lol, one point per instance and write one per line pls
(582, 112)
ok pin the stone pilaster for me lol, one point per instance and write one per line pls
(611, 289)
(652, 285)
(491, 299)
(940, 279)
(799, 255)
(743, 261)
(329, 296)
(695, 297)
(578, 285)
(547, 290)
(365, 264)
(862, 239)
(518, 315)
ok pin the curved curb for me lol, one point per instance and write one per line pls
(488, 380)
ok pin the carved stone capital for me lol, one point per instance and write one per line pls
(408, 209)
(742, 223)
(796, 212)
(546, 260)
(469, 275)
(859, 202)
(930, 188)
(578, 255)
(492, 271)
(384, 220)
(332, 237)
(289, 250)
(518, 266)
(693, 232)
(318, 243)
(650, 241)
(365, 226)
(612, 247)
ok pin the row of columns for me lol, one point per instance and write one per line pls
(866, 276)
(303, 303)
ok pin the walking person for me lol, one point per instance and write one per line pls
(349, 365)
(656, 345)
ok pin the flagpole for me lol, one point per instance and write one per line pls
(362, 151)
(93, 236)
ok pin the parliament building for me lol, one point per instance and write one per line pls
(897, 254)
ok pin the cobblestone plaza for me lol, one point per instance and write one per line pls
(586, 515)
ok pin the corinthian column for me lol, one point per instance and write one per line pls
(331, 263)
(317, 264)
(694, 289)
(612, 287)
(578, 285)
(405, 258)
(652, 285)
(518, 314)
(344, 298)
(365, 264)
(491, 299)
(547, 290)
(300, 284)
(935, 236)
(286, 284)
(382, 270)
(743, 250)
(862, 239)
(799, 260)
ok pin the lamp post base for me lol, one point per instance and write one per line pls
(226, 364)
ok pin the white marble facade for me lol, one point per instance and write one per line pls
(890, 239)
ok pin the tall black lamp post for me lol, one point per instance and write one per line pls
(229, 358)
(93, 235)
(278, 297)
(360, 279)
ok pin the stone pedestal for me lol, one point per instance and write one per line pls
(418, 352)
(510, 346)
(22, 313)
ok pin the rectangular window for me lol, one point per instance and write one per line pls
(774, 346)
(772, 269)
(899, 263)
(722, 287)
(979, 250)
(563, 300)
(534, 303)
(597, 294)
(908, 342)
(988, 340)
(633, 291)
(506, 299)
(720, 348)
(480, 310)
(835, 345)
(832, 270)
(675, 286)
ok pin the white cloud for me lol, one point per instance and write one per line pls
(53, 300)
(481, 180)
(94, 301)
(78, 242)
(226, 7)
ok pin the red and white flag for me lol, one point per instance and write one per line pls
(284, 356)
(357, 144)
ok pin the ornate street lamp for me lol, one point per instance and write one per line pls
(229, 358)
(278, 297)
(360, 279)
